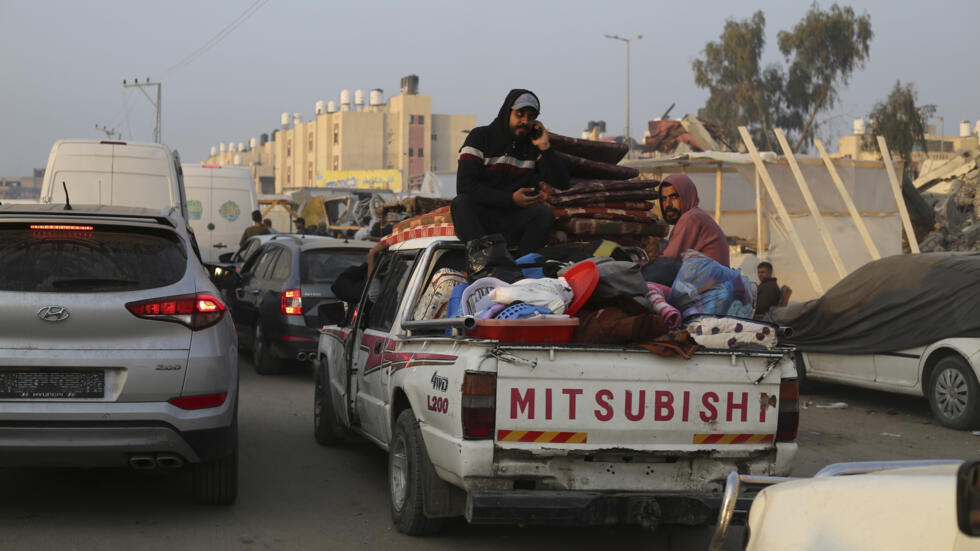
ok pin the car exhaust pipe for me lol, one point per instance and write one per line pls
(301, 356)
(142, 462)
(169, 461)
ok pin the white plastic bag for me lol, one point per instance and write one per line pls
(553, 294)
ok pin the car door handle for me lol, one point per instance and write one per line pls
(377, 347)
(219, 246)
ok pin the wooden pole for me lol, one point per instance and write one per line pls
(718, 195)
(758, 213)
(828, 241)
(846, 196)
(760, 168)
(897, 190)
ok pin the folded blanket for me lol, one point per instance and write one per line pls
(563, 213)
(579, 187)
(438, 216)
(604, 196)
(589, 226)
(658, 301)
(724, 332)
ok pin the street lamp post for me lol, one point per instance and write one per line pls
(629, 150)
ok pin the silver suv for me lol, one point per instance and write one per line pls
(115, 348)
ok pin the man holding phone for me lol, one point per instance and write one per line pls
(501, 169)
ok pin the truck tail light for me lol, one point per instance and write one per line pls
(789, 411)
(202, 401)
(479, 405)
(291, 303)
(195, 311)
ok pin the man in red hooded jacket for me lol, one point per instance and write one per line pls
(693, 228)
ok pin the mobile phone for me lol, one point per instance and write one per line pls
(534, 132)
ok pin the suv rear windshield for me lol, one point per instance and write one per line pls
(324, 265)
(100, 259)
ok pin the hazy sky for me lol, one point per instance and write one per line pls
(63, 62)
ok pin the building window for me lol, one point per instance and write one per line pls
(420, 119)
(289, 175)
(411, 152)
(289, 147)
(309, 141)
(434, 137)
(309, 173)
(336, 162)
(420, 153)
(336, 133)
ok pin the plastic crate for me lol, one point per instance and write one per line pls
(526, 331)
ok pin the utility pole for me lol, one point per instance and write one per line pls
(627, 140)
(137, 84)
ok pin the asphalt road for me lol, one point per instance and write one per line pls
(295, 494)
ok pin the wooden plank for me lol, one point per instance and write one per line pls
(899, 200)
(811, 203)
(846, 196)
(761, 169)
(718, 195)
(758, 213)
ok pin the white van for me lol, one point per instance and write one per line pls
(220, 201)
(113, 173)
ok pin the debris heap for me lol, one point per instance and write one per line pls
(951, 189)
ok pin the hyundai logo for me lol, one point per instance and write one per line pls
(53, 313)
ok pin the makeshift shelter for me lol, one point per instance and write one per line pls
(731, 187)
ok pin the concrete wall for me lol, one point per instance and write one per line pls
(448, 134)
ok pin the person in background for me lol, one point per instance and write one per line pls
(321, 229)
(768, 294)
(268, 224)
(255, 229)
(498, 180)
(349, 285)
(300, 224)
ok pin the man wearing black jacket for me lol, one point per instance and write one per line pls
(498, 180)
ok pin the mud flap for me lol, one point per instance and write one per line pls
(440, 498)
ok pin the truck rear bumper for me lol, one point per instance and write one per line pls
(590, 508)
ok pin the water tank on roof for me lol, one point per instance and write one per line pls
(359, 99)
(964, 129)
(320, 107)
(976, 129)
(284, 120)
(297, 118)
(237, 160)
(410, 85)
(263, 139)
(241, 146)
(859, 127)
(331, 106)
(253, 143)
(222, 147)
(214, 150)
(345, 100)
(377, 97)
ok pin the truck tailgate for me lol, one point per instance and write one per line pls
(554, 400)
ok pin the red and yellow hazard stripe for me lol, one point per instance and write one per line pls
(542, 436)
(732, 438)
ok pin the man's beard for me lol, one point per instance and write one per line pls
(671, 216)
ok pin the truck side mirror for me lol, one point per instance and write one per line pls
(225, 257)
(968, 498)
(227, 279)
(331, 313)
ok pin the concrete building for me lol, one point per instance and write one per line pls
(22, 187)
(937, 147)
(401, 135)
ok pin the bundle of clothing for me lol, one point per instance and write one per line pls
(602, 202)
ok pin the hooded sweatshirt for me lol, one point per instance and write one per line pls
(695, 229)
(493, 163)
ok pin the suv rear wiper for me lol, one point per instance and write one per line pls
(83, 281)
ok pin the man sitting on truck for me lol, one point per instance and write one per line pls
(498, 179)
(693, 228)
(257, 228)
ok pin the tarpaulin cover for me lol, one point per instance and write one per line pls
(895, 303)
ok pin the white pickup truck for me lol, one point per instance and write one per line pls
(535, 434)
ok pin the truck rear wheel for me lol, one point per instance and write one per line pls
(409, 473)
(326, 425)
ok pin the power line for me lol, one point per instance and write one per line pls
(222, 34)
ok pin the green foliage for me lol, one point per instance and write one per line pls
(821, 52)
(900, 121)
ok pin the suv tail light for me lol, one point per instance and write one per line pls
(202, 401)
(479, 405)
(195, 311)
(291, 303)
(789, 411)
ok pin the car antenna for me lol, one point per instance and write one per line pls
(67, 202)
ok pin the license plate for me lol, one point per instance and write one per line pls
(52, 384)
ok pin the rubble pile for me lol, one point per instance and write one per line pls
(952, 191)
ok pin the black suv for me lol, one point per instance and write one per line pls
(274, 298)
